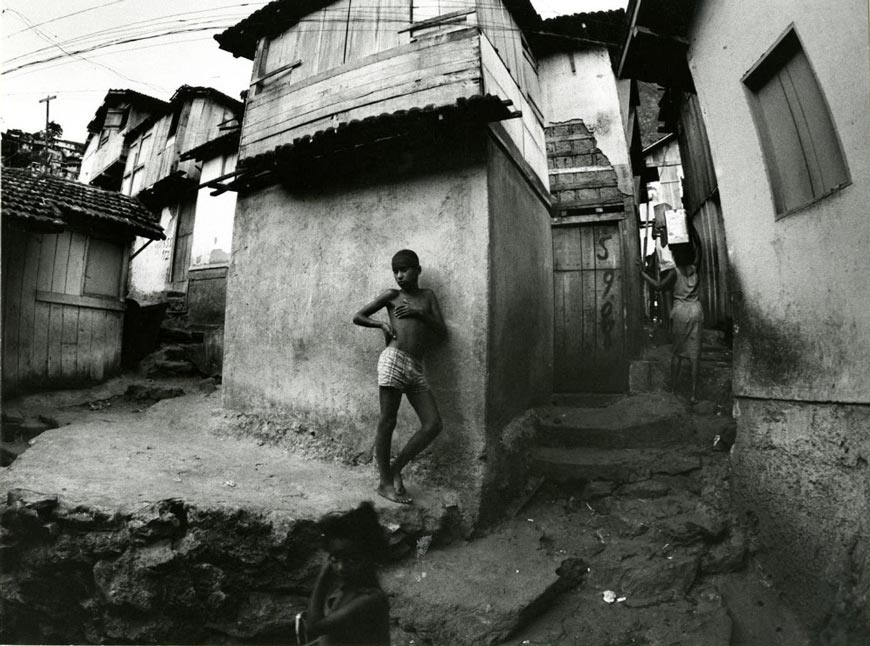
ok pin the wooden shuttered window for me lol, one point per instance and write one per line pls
(103, 268)
(802, 150)
(183, 240)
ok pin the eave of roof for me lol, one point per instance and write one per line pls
(183, 94)
(660, 142)
(278, 16)
(350, 139)
(564, 33)
(52, 203)
(114, 96)
(226, 143)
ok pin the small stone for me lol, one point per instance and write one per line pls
(597, 489)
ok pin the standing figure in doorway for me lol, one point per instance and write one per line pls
(687, 314)
(415, 323)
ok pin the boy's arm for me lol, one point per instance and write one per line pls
(660, 285)
(318, 595)
(363, 317)
(430, 315)
(348, 616)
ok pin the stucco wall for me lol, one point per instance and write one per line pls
(521, 318)
(148, 270)
(803, 330)
(802, 341)
(589, 93)
(303, 264)
(801, 472)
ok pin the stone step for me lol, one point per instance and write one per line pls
(644, 420)
(613, 465)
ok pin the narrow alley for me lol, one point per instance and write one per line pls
(425, 322)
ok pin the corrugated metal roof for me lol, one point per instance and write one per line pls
(52, 203)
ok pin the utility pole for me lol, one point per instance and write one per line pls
(47, 101)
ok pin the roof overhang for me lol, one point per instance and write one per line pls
(350, 142)
(656, 43)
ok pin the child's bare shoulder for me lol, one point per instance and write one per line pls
(388, 294)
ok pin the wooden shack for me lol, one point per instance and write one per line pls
(65, 253)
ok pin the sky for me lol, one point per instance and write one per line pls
(69, 30)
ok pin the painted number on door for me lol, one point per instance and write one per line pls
(605, 311)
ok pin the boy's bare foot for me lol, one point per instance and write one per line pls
(399, 484)
(389, 492)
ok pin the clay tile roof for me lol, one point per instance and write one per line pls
(571, 32)
(278, 16)
(479, 108)
(51, 203)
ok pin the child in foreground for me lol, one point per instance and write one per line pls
(348, 607)
(415, 323)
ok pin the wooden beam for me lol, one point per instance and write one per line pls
(94, 302)
(276, 72)
(452, 17)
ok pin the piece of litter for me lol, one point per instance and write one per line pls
(590, 507)
(620, 599)
(531, 520)
(229, 483)
(518, 571)
(423, 544)
(609, 596)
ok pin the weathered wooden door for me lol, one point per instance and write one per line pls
(590, 336)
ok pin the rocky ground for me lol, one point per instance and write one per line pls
(145, 517)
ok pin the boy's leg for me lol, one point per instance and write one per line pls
(676, 364)
(390, 399)
(693, 363)
(430, 426)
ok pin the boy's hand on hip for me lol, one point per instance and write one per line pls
(389, 332)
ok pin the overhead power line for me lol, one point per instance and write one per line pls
(374, 15)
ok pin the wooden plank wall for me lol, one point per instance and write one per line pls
(197, 124)
(48, 344)
(436, 70)
(526, 133)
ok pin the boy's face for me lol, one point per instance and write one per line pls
(406, 276)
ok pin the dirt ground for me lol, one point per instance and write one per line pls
(659, 561)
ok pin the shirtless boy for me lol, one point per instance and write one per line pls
(415, 323)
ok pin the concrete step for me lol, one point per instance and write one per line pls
(613, 465)
(643, 420)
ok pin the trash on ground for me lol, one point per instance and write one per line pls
(423, 544)
(609, 596)
(229, 483)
